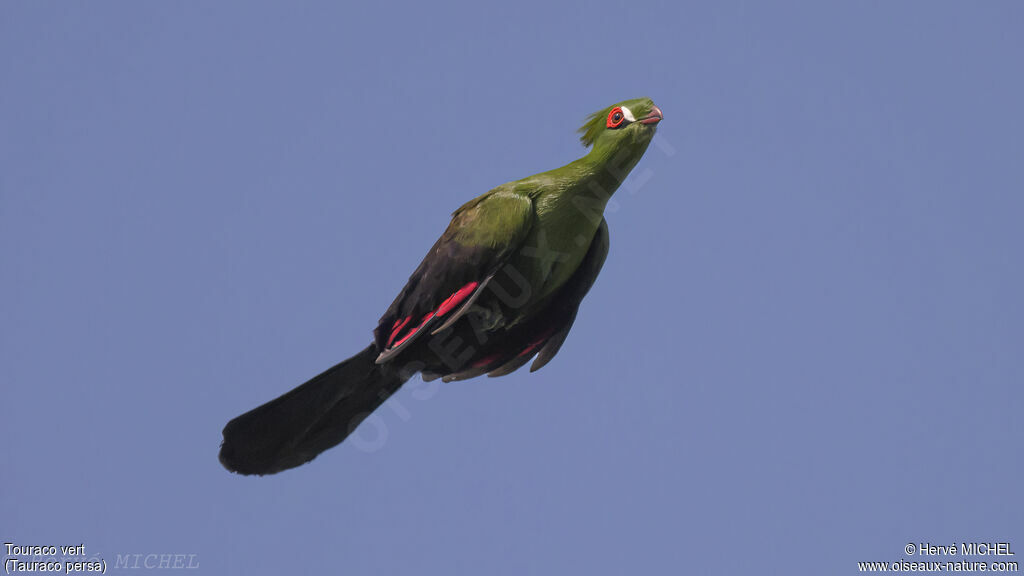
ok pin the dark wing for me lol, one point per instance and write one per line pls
(544, 334)
(483, 233)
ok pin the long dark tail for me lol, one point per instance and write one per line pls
(293, 429)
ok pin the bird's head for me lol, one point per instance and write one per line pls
(627, 124)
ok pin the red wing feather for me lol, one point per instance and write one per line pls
(455, 299)
(481, 236)
(397, 328)
(397, 339)
(409, 334)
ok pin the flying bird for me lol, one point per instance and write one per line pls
(501, 286)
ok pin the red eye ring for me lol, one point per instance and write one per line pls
(616, 118)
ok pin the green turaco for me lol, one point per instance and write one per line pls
(500, 287)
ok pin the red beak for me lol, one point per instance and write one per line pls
(654, 117)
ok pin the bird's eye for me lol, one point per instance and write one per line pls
(615, 117)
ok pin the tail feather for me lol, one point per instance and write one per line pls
(294, 428)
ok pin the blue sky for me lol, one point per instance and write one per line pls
(804, 349)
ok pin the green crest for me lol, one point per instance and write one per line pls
(593, 126)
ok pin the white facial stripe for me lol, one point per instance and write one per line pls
(627, 114)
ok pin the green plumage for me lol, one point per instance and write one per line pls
(502, 285)
(568, 202)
